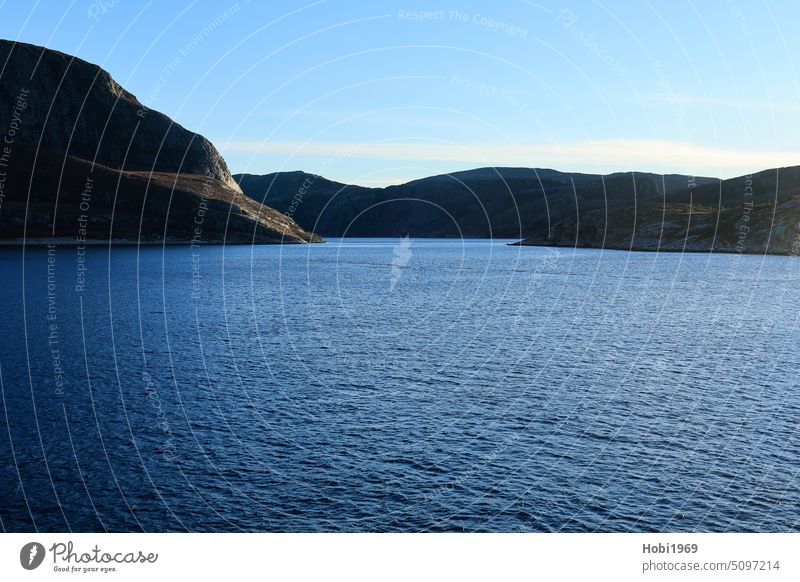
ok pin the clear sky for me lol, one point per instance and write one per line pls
(382, 92)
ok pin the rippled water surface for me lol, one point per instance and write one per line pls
(398, 385)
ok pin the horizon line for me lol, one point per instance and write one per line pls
(588, 157)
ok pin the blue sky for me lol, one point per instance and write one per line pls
(382, 92)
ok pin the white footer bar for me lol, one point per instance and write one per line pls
(378, 557)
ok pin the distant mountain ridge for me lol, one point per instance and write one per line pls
(624, 210)
(79, 147)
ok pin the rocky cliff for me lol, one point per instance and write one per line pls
(78, 147)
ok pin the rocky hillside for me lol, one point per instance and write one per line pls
(638, 211)
(80, 149)
(481, 203)
(752, 214)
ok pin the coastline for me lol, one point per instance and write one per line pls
(658, 249)
(71, 242)
(669, 248)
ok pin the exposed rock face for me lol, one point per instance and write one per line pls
(757, 214)
(67, 123)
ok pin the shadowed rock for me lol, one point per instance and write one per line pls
(626, 210)
(78, 145)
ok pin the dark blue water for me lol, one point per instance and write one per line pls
(406, 386)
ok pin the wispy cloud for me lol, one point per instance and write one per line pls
(694, 100)
(594, 155)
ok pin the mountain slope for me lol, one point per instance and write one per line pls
(81, 146)
(485, 202)
(635, 210)
(756, 214)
